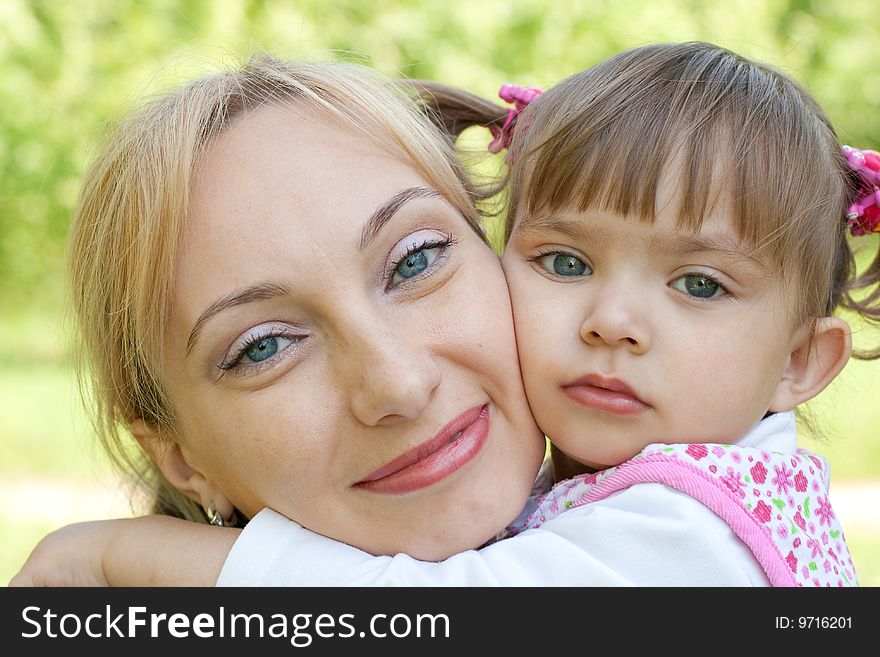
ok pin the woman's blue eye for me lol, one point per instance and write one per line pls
(695, 285)
(565, 264)
(265, 348)
(414, 263)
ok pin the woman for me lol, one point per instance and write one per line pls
(284, 294)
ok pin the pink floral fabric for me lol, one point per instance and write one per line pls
(776, 503)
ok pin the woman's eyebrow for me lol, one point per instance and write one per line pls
(258, 292)
(384, 212)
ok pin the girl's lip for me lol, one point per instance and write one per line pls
(605, 394)
(435, 459)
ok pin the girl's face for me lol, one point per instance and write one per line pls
(341, 346)
(632, 333)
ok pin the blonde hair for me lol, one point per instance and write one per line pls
(124, 238)
(603, 137)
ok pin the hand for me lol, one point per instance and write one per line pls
(145, 551)
(70, 556)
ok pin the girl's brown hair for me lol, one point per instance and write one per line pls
(134, 203)
(604, 137)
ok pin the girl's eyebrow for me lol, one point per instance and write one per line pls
(720, 244)
(257, 292)
(678, 243)
(384, 212)
(573, 228)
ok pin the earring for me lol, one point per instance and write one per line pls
(215, 518)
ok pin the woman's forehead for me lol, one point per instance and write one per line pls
(281, 170)
(276, 197)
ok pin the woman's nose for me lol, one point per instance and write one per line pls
(391, 377)
(617, 320)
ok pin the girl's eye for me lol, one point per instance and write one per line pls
(565, 264)
(265, 348)
(699, 286)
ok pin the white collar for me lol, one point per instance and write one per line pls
(776, 433)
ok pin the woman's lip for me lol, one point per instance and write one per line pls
(435, 459)
(605, 394)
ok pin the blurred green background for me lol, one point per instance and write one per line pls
(67, 69)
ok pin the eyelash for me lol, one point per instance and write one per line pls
(726, 295)
(426, 244)
(234, 361)
(543, 253)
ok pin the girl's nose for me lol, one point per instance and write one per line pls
(616, 320)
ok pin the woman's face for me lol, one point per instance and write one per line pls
(341, 346)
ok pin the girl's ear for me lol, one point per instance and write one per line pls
(818, 353)
(176, 469)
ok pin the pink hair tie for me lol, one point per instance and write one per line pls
(519, 97)
(863, 216)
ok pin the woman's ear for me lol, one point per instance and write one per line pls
(174, 466)
(818, 353)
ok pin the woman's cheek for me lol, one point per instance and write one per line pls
(484, 318)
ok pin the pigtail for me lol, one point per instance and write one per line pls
(453, 111)
(862, 296)
(860, 292)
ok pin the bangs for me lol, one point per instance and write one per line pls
(718, 129)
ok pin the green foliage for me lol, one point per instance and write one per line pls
(69, 67)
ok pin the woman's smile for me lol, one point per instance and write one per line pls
(435, 459)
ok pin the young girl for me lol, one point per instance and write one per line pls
(676, 248)
(673, 293)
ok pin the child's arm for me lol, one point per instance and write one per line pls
(147, 551)
(647, 535)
